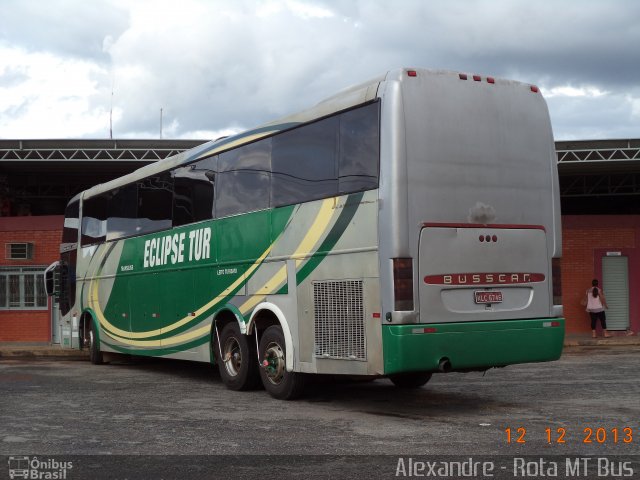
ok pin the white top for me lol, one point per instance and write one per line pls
(594, 304)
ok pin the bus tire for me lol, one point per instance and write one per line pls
(280, 383)
(410, 380)
(237, 359)
(95, 355)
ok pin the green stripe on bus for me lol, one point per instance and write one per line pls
(338, 229)
(152, 352)
(477, 345)
(279, 219)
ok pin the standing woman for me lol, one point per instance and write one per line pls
(596, 304)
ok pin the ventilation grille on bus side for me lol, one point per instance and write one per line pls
(339, 320)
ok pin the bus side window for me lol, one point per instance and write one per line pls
(359, 149)
(68, 257)
(94, 220)
(122, 210)
(304, 163)
(244, 179)
(155, 203)
(194, 189)
(71, 219)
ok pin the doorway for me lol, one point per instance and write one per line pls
(615, 282)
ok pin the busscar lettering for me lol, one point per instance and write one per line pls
(170, 249)
(484, 278)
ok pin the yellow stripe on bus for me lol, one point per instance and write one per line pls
(313, 236)
(235, 143)
(95, 305)
(183, 338)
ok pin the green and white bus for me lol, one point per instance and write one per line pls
(405, 226)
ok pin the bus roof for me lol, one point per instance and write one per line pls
(345, 99)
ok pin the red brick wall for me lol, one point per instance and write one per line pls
(45, 233)
(586, 239)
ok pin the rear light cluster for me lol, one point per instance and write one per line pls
(556, 275)
(403, 284)
(476, 78)
(491, 80)
(487, 238)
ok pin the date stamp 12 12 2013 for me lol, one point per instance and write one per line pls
(562, 435)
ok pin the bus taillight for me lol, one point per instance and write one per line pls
(556, 275)
(403, 284)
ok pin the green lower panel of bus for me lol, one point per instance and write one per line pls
(410, 348)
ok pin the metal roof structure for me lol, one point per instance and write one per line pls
(39, 176)
(599, 176)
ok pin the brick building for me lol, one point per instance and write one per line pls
(30, 244)
(600, 193)
(593, 245)
(37, 178)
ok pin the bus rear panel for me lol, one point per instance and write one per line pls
(471, 208)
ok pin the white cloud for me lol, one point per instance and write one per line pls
(53, 98)
(307, 10)
(301, 9)
(591, 117)
(215, 65)
(570, 91)
(635, 106)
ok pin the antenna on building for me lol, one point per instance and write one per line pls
(113, 81)
(161, 123)
(111, 116)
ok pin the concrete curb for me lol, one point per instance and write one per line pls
(48, 351)
(613, 341)
(8, 352)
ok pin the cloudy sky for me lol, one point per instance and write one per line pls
(218, 66)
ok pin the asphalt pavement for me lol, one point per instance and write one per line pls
(157, 418)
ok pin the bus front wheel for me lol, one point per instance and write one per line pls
(410, 380)
(95, 355)
(276, 379)
(237, 359)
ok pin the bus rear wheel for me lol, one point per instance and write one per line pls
(237, 359)
(280, 383)
(410, 380)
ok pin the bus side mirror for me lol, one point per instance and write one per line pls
(52, 279)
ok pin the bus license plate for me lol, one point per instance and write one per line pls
(488, 297)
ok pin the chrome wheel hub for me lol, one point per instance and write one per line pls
(274, 363)
(232, 356)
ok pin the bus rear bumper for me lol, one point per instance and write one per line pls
(471, 345)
